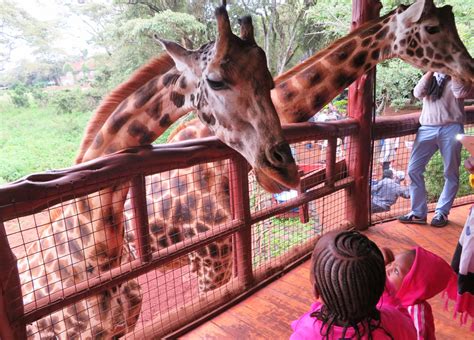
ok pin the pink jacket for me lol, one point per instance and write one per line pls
(392, 321)
(428, 276)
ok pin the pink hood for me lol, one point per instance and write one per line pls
(428, 276)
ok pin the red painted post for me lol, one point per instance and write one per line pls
(11, 298)
(140, 221)
(361, 102)
(331, 161)
(239, 191)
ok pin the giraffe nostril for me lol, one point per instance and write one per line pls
(280, 155)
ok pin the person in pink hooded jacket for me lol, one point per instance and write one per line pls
(348, 279)
(413, 277)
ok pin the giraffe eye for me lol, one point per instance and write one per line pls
(217, 85)
(432, 29)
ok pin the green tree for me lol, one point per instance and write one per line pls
(18, 27)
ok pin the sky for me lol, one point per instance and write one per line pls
(74, 36)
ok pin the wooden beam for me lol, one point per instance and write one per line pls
(11, 298)
(360, 108)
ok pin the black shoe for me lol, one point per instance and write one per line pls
(411, 219)
(439, 220)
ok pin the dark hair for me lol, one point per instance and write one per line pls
(348, 273)
(387, 173)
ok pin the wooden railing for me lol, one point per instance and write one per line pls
(37, 192)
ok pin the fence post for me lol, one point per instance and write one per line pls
(331, 161)
(240, 203)
(360, 107)
(11, 298)
(140, 222)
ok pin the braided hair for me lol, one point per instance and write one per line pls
(348, 273)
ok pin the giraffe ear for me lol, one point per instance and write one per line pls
(180, 55)
(416, 11)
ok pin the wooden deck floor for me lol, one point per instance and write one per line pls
(267, 314)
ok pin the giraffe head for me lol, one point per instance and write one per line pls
(229, 84)
(426, 37)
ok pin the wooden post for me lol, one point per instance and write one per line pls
(361, 103)
(11, 298)
(331, 161)
(140, 221)
(240, 203)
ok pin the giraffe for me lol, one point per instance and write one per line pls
(421, 34)
(228, 83)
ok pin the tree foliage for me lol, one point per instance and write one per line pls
(121, 35)
(17, 27)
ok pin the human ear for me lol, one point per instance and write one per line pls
(388, 256)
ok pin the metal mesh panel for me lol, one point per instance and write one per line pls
(396, 152)
(58, 250)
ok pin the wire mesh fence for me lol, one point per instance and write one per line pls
(390, 181)
(151, 241)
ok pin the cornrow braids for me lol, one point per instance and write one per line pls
(348, 273)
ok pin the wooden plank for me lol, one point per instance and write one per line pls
(298, 296)
(273, 317)
(210, 331)
(236, 325)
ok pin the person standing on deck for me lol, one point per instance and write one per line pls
(442, 118)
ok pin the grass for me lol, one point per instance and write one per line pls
(275, 238)
(37, 139)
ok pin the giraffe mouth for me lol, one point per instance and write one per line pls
(276, 180)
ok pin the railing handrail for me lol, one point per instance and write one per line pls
(405, 124)
(37, 192)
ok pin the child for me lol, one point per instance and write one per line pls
(461, 288)
(413, 277)
(348, 278)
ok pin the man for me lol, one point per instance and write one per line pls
(386, 192)
(388, 152)
(442, 118)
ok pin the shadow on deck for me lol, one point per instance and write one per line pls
(268, 313)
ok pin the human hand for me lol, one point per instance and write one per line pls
(469, 164)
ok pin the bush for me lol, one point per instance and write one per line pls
(67, 101)
(19, 95)
(341, 105)
(397, 79)
(434, 178)
(40, 96)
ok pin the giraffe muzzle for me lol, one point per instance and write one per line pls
(278, 171)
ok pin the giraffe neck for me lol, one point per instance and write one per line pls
(305, 89)
(144, 115)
